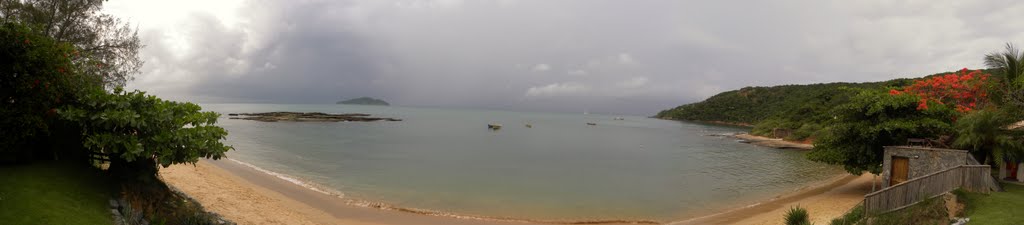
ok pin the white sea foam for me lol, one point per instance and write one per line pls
(293, 180)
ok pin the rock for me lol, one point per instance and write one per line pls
(961, 221)
(953, 207)
(308, 117)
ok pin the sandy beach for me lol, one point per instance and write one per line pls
(824, 202)
(248, 196)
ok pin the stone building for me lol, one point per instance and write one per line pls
(902, 163)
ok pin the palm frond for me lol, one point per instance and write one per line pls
(1009, 63)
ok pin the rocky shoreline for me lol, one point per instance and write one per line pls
(772, 142)
(765, 141)
(307, 117)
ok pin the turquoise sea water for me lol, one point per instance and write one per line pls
(561, 169)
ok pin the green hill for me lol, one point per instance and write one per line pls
(364, 101)
(797, 110)
(752, 105)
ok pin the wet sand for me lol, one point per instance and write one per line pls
(247, 196)
(823, 202)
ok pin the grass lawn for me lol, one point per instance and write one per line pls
(997, 207)
(53, 193)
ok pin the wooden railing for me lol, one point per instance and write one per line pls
(993, 181)
(973, 178)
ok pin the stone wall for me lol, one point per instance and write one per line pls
(922, 160)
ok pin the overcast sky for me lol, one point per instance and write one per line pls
(616, 57)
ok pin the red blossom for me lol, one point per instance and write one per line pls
(964, 90)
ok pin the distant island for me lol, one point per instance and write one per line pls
(364, 101)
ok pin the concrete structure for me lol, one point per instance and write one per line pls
(1012, 171)
(909, 162)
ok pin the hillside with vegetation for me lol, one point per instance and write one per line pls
(794, 112)
(751, 105)
(850, 123)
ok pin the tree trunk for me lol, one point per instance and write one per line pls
(142, 170)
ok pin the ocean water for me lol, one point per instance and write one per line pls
(561, 169)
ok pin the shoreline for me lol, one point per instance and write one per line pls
(771, 142)
(245, 194)
(823, 201)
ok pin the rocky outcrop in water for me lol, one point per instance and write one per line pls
(307, 117)
(364, 101)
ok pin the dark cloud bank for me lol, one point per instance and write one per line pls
(618, 57)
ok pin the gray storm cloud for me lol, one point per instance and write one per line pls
(621, 57)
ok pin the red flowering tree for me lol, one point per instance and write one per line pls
(37, 76)
(964, 90)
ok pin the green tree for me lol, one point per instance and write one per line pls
(141, 131)
(872, 120)
(37, 75)
(984, 132)
(1008, 65)
(106, 44)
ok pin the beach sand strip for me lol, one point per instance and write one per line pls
(247, 196)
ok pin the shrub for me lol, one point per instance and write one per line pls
(850, 218)
(139, 131)
(797, 216)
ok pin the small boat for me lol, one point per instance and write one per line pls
(620, 118)
(529, 126)
(592, 124)
(494, 126)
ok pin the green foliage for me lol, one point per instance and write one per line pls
(871, 120)
(984, 133)
(108, 46)
(929, 211)
(1008, 66)
(133, 126)
(53, 192)
(807, 130)
(37, 75)
(852, 217)
(797, 216)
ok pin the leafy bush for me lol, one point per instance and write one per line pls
(139, 131)
(797, 216)
(874, 119)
